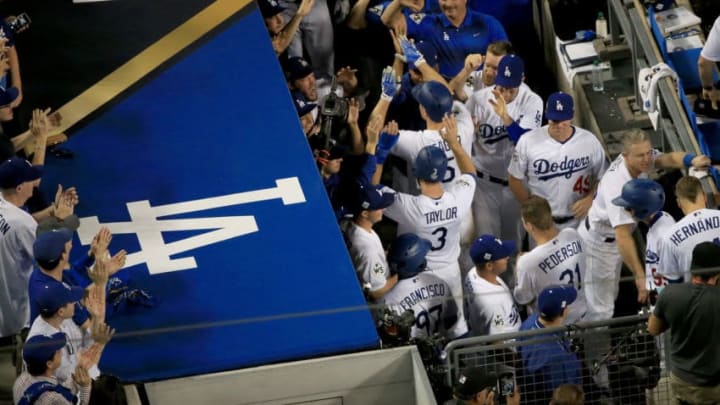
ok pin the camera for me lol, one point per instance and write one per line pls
(20, 23)
(506, 380)
(333, 107)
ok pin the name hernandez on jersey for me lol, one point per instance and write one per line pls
(560, 172)
(492, 147)
(560, 260)
(676, 247)
(430, 300)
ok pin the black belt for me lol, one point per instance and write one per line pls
(492, 179)
(562, 220)
(587, 226)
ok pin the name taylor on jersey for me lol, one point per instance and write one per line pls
(441, 215)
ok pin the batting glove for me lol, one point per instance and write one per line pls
(412, 55)
(389, 84)
(385, 144)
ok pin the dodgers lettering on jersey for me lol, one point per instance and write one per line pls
(492, 147)
(4, 225)
(546, 170)
(560, 172)
(559, 256)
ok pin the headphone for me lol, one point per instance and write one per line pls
(647, 83)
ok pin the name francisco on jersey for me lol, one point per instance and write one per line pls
(557, 257)
(701, 225)
(422, 294)
(441, 215)
(546, 170)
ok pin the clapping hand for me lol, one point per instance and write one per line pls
(99, 272)
(81, 376)
(305, 7)
(101, 332)
(65, 202)
(100, 243)
(116, 262)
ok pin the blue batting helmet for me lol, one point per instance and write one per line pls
(431, 164)
(644, 196)
(407, 255)
(435, 98)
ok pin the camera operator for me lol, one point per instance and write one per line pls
(551, 361)
(690, 310)
(476, 386)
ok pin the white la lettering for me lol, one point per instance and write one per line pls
(145, 223)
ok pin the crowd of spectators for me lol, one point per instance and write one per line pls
(434, 129)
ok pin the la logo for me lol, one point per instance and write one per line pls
(507, 71)
(558, 106)
(146, 224)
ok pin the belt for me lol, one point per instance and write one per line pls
(562, 220)
(492, 179)
(587, 226)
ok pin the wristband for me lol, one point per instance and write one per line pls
(687, 160)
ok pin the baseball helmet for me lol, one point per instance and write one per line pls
(435, 99)
(644, 196)
(431, 164)
(407, 255)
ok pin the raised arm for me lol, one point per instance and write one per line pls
(449, 133)
(457, 83)
(282, 40)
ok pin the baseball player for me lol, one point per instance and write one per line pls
(470, 80)
(698, 225)
(437, 213)
(607, 229)
(489, 303)
(560, 162)
(707, 64)
(421, 291)
(501, 114)
(558, 258)
(364, 245)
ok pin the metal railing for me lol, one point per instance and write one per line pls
(615, 361)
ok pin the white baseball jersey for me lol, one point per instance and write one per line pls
(711, 50)
(658, 227)
(411, 142)
(430, 299)
(489, 308)
(560, 260)
(436, 219)
(560, 172)
(368, 256)
(492, 147)
(603, 215)
(676, 247)
(17, 235)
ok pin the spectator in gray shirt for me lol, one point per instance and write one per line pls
(691, 311)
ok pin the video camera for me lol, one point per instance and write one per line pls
(332, 107)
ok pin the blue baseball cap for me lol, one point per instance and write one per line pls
(554, 299)
(8, 95)
(435, 98)
(16, 171)
(370, 198)
(302, 105)
(50, 245)
(560, 107)
(297, 68)
(55, 294)
(488, 248)
(39, 349)
(511, 70)
(427, 50)
(270, 8)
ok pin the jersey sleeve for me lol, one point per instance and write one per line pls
(523, 292)
(669, 265)
(518, 162)
(616, 214)
(466, 128)
(371, 270)
(711, 50)
(399, 210)
(532, 113)
(407, 146)
(464, 190)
